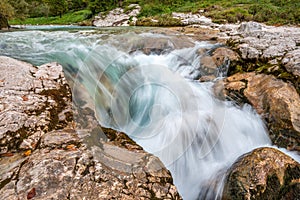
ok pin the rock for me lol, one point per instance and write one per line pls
(222, 54)
(190, 18)
(291, 62)
(66, 159)
(248, 52)
(216, 64)
(250, 27)
(276, 101)
(264, 173)
(3, 22)
(118, 17)
(258, 41)
(33, 101)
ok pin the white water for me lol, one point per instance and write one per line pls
(154, 100)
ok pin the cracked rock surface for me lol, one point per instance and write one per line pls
(43, 155)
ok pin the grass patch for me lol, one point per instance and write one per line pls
(222, 11)
(66, 19)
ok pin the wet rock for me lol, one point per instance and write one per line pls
(215, 64)
(264, 173)
(33, 101)
(198, 32)
(159, 45)
(222, 54)
(276, 101)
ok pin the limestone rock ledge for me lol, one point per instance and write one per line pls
(43, 155)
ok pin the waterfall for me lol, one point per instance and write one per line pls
(154, 98)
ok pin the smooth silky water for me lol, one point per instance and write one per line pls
(151, 97)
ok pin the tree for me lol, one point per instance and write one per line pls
(6, 9)
(21, 8)
(96, 6)
(57, 7)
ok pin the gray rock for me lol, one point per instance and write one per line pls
(250, 26)
(118, 17)
(190, 18)
(33, 101)
(291, 62)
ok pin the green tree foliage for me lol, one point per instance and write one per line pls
(57, 7)
(21, 8)
(6, 9)
(97, 6)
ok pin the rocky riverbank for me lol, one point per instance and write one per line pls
(46, 154)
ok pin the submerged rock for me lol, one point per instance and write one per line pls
(54, 157)
(276, 101)
(264, 173)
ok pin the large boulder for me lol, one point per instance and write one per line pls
(264, 173)
(275, 100)
(3, 22)
(45, 154)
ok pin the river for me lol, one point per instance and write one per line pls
(153, 95)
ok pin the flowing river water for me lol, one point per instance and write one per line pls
(151, 94)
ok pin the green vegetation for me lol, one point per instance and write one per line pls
(269, 11)
(68, 18)
(68, 11)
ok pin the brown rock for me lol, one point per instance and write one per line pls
(222, 54)
(264, 173)
(278, 103)
(216, 64)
